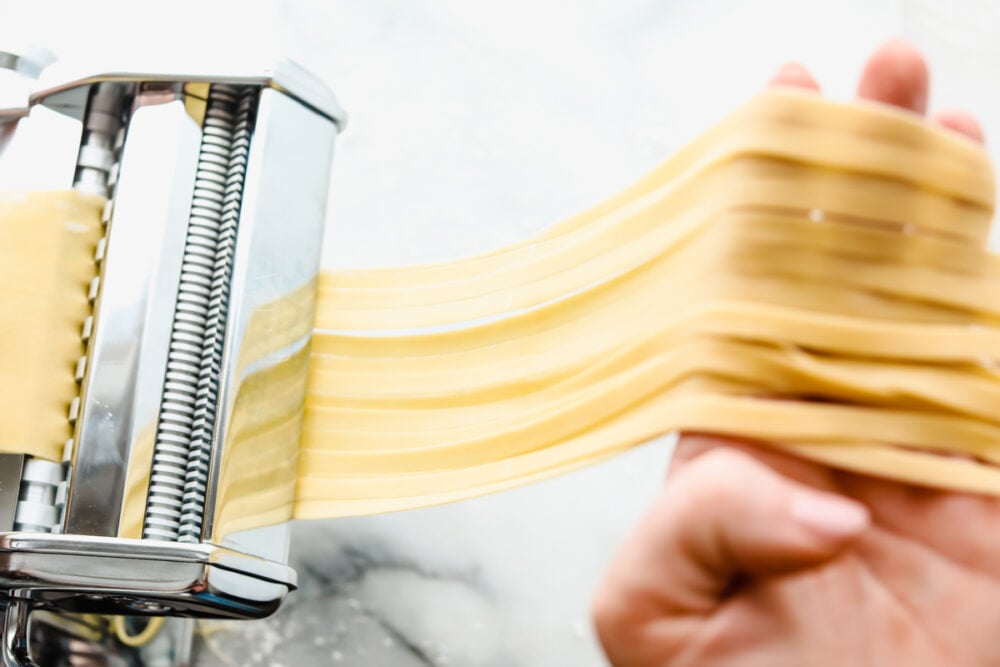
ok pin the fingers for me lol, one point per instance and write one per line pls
(723, 519)
(896, 74)
(938, 519)
(794, 75)
(961, 122)
(690, 446)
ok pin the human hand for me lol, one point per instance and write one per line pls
(753, 558)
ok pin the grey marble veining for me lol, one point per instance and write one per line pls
(497, 581)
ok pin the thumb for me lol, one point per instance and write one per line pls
(722, 518)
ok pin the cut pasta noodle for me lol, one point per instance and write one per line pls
(808, 274)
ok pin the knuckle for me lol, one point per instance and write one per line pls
(610, 613)
(716, 477)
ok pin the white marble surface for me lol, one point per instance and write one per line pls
(473, 124)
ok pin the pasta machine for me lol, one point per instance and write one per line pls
(216, 184)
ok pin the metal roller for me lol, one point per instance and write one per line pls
(179, 481)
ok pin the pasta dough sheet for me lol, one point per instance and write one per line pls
(809, 274)
(47, 244)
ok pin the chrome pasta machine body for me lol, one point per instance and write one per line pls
(196, 352)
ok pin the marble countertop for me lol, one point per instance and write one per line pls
(471, 125)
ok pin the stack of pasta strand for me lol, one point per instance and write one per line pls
(810, 274)
(806, 273)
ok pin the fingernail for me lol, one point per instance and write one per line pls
(831, 516)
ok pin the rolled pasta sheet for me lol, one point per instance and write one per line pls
(47, 243)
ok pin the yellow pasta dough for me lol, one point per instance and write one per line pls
(807, 273)
(47, 243)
